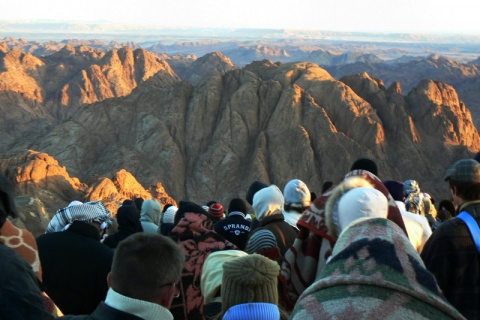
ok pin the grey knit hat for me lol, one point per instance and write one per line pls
(251, 278)
(261, 239)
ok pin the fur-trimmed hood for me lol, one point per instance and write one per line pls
(347, 185)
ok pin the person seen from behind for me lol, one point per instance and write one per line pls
(143, 281)
(451, 253)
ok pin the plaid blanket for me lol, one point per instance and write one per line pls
(374, 273)
(304, 261)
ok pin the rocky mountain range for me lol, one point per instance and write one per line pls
(84, 124)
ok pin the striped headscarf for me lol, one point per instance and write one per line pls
(86, 212)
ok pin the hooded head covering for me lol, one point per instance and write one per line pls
(88, 212)
(374, 270)
(363, 202)
(212, 273)
(395, 188)
(128, 218)
(297, 194)
(151, 211)
(268, 201)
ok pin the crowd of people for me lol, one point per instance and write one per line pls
(363, 248)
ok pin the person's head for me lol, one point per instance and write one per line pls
(7, 205)
(326, 185)
(169, 214)
(216, 210)
(128, 218)
(212, 272)
(447, 205)
(268, 201)
(365, 164)
(147, 266)
(362, 202)
(263, 242)
(254, 187)
(464, 180)
(395, 188)
(151, 211)
(237, 205)
(92, 212)
(138, 202)
(251, 278)
(297, 196)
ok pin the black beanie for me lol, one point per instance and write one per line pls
(395, 188)
(365, 164)
(237, 204)
(254, 187)
(187, 206)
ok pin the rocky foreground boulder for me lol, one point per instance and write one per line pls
(42, 186)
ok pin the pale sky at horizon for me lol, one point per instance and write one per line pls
(408, 16)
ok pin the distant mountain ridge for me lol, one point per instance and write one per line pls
(188, 128)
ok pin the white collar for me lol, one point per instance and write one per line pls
(143, 309)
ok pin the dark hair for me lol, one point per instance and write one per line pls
(296, 208)
(466, 191)
(209, 203)
(144, 263)
(365, 164)
(447, 205)
(443, 215)
(138, 202)
(7, 204)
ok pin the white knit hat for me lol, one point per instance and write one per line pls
(169, 214)
(363, 202)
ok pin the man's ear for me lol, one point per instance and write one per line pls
(109, 279)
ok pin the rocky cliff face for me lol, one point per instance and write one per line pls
(267, 121)
(463, 76)
(140, 130)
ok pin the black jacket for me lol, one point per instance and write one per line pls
(235, 228)
(451, 255)
(104, 312)
(75, 266)
(20, 296)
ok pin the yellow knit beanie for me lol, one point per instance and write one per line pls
(251, 278)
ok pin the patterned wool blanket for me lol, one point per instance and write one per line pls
(374, 273)
(304, 261)
(195, 235)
